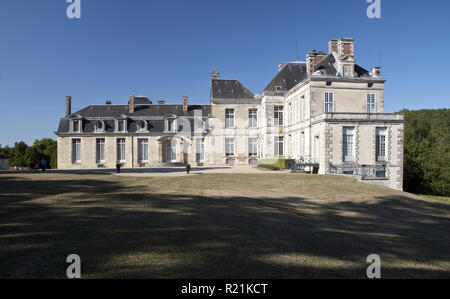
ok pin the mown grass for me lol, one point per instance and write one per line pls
(217, 226)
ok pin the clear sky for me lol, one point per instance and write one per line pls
(167, 49)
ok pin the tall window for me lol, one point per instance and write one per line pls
(278, 115)
(171, 125)
(329, 102)
(348, 144)
(100, 151)
(229, 147)
(143, 150)
(229, 118)
(76, 151)
(121, 126)
(381, 144)
(303, 109)
(121, 150)
(253, 146)
(279, 146)
(76, 126)
(252, 118)
(371, 103)
(200, 149)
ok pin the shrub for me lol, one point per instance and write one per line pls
(269, 166)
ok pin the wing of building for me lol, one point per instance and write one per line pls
(327, 113)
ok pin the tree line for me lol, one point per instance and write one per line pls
(427, 156)
(21, 154)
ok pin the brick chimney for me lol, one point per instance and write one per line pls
(214, 74)
(68, 105)
(346, 57)
(332, 46)
(185, 104)
(131, 104)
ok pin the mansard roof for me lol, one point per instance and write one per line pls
(328, 64)
(227, 91)
(154, 114)
(290, 75)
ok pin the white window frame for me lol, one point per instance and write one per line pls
(200, 149)
(143, 149)
(229, 118)
(348, 144)
(124, 122)
(121, 150)
(279, 146)
(76, 151)
(278, 115)
(253, 118)
(173, 121)
(230, 146)
(139, 127)
(79, 122)
(328, 102)
(380, 144)
(252, 146)
(371, 103)
(100, 150)
(102, 129)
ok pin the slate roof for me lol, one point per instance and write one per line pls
(153, 114)
(290, 75)
(328, 65)
(293, 73)
(226, 91)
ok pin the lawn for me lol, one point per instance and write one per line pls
(217, 226)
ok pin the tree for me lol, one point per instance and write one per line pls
(427, 156)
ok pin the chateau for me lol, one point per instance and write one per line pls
(326, 113)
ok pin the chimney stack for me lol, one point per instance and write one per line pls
(68, 105)
(332, 46)
(185, 104)
(131, 104)
(310, 59)
(346, 57)
(376, 71)
(214, 74)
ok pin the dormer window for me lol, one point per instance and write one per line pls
(278, 88)
(100, 126)
(121, 125)
(76, 126)
(171, 124)
(142, 126)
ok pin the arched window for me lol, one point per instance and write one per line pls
(100, 126)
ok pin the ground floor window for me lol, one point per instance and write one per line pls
(381, 145)
(143, 150)
(279, 146)
(229, 147)
(100, 151)
(253, 146)
(200, 149)
(348, 144)
(76, 151)
(121, 150)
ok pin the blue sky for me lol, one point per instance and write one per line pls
(167, 49)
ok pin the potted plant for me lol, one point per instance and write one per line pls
(118, 166)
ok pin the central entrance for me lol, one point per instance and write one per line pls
(171, 153)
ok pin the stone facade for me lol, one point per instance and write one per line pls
(326, 112)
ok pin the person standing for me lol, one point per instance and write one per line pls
(43, 164)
